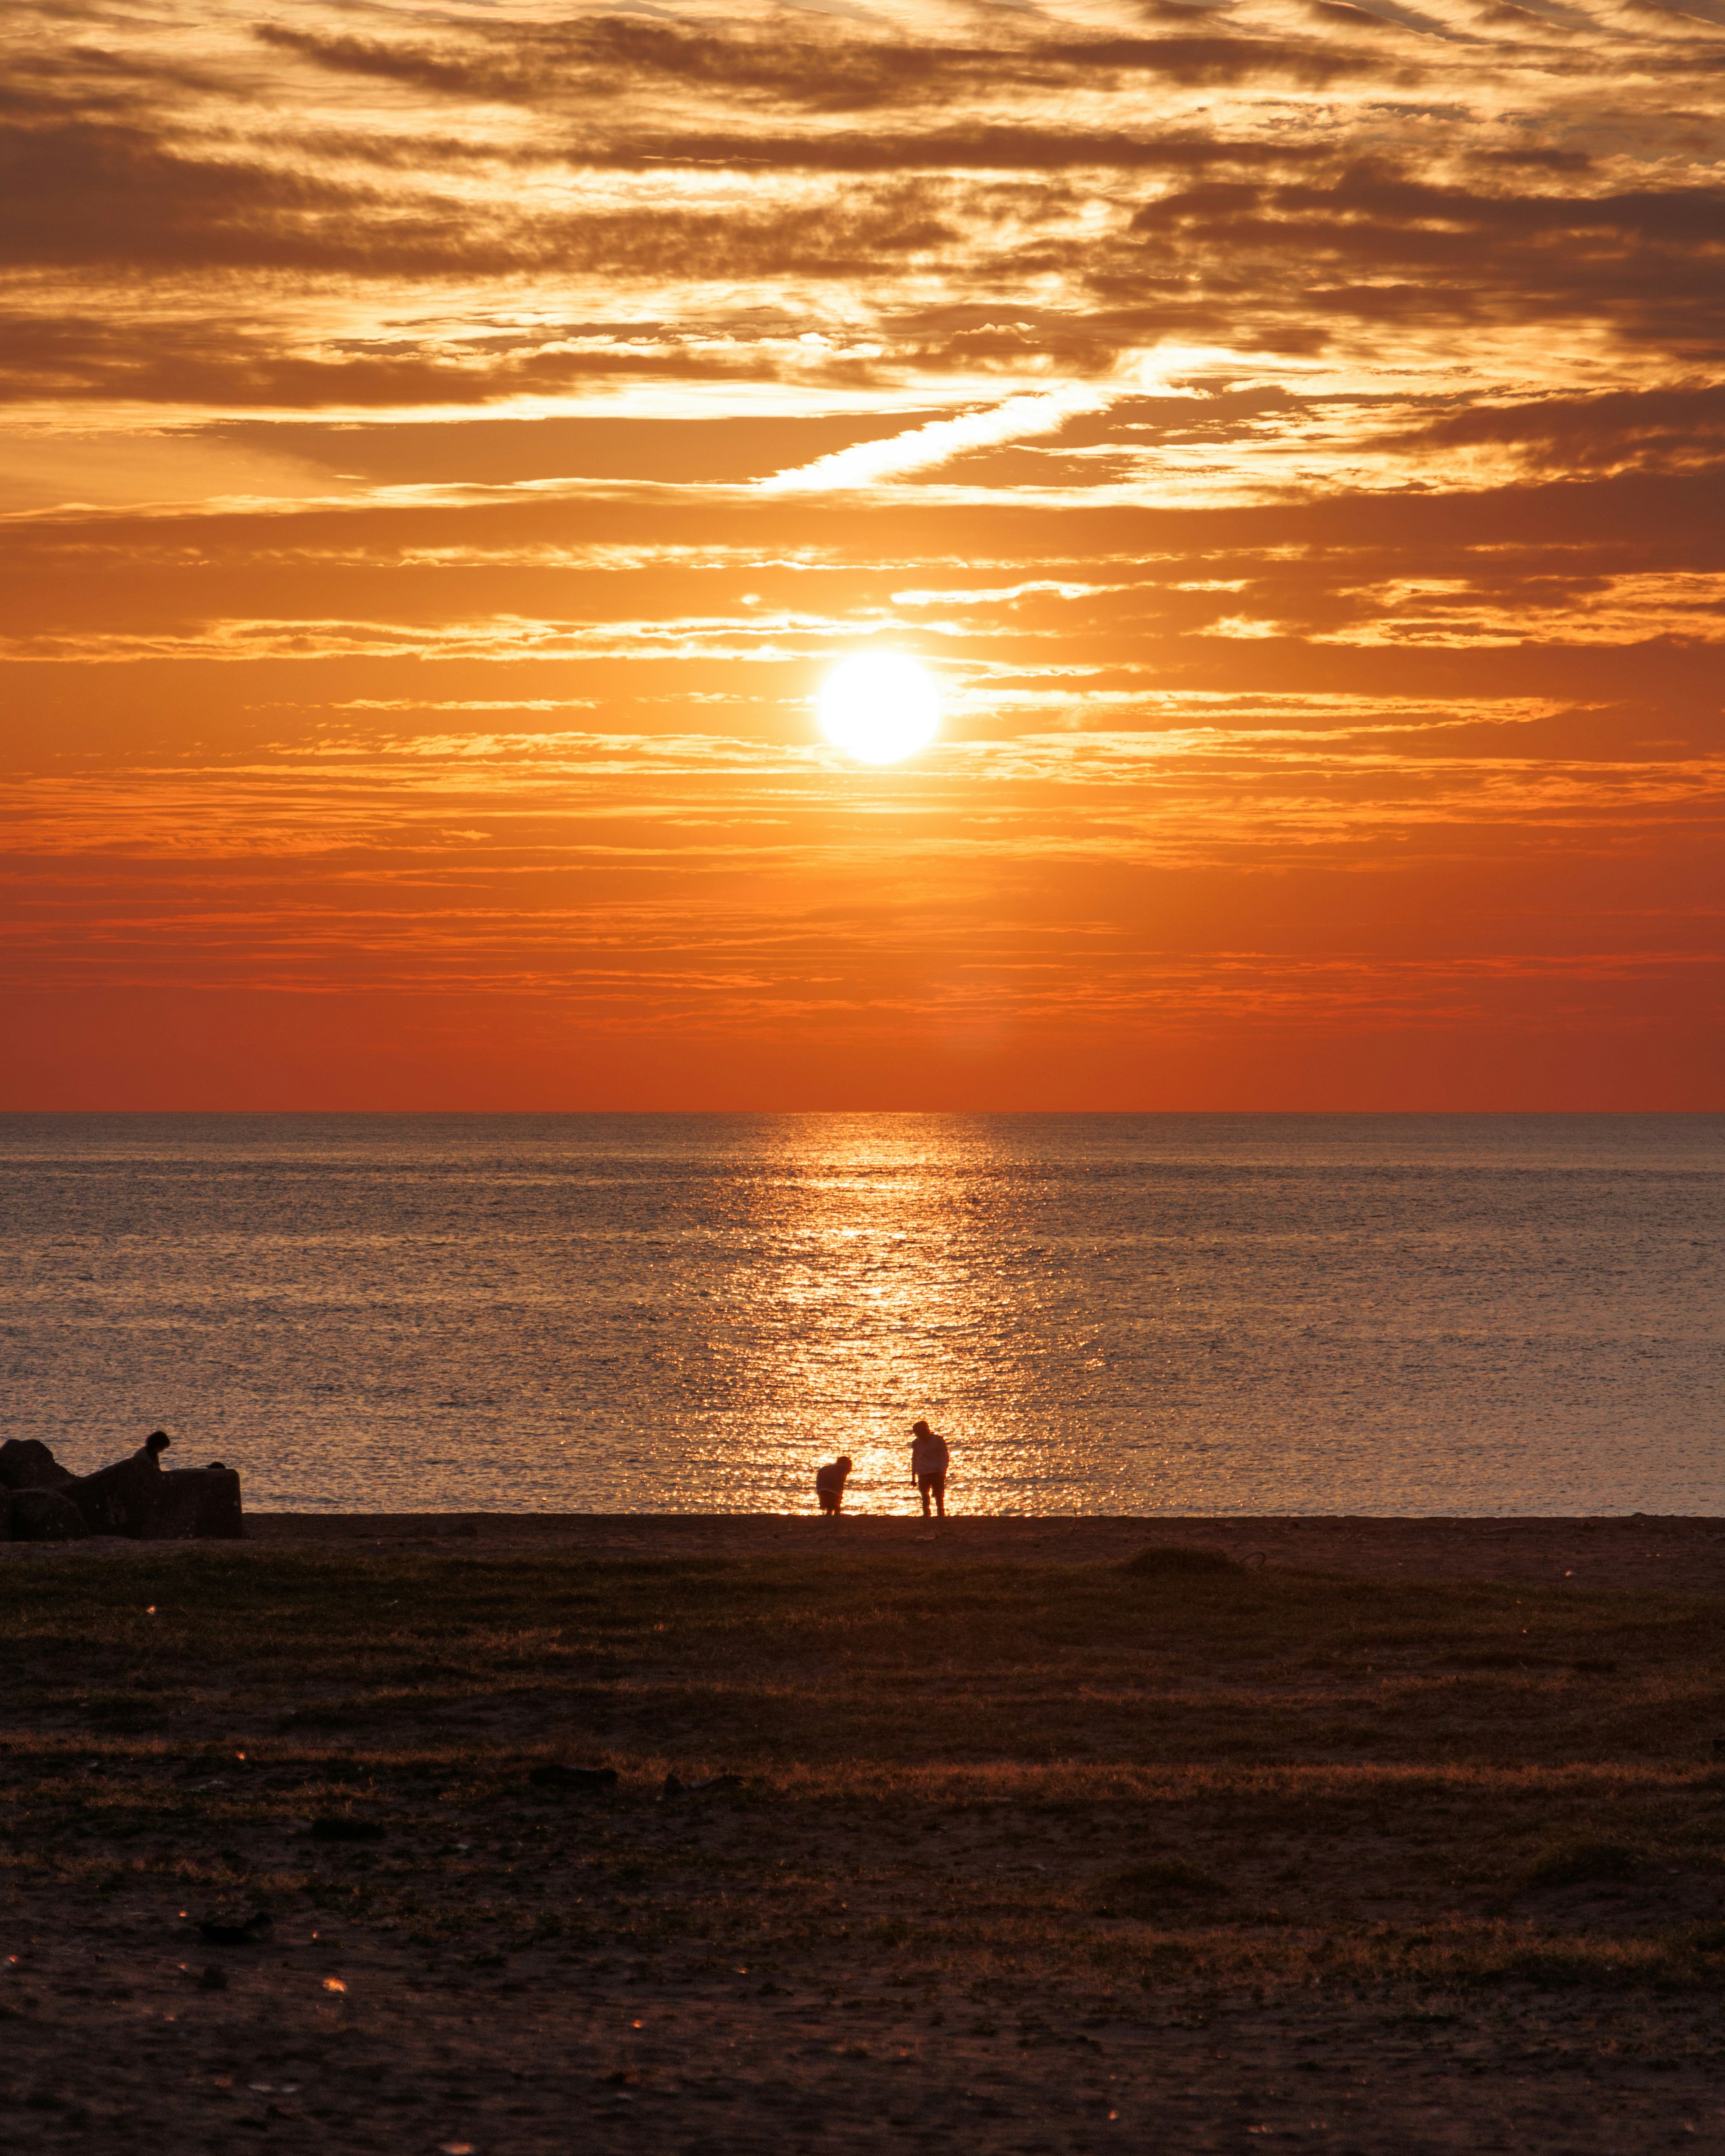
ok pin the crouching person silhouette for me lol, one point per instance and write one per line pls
(829, 1485)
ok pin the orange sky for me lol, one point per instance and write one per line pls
(446, 448)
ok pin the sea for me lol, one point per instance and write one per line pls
(1157, 1314)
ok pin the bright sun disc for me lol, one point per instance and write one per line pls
(880, 707)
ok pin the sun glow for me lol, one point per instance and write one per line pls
(880, 707)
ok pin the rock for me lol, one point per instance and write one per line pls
(27, 1464)
(46, 1515)
(339, 1826)
(255, 1931)
(119, 1500)
(5, 1515)
(1155, 1890)
(555, 1776)
(708, 1785)
(198, 1501)
(137, 1498)
(1168, 1560)
(1584, 1863)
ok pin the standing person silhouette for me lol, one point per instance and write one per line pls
(929, 1461)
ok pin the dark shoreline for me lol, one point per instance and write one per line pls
(1685, 1554)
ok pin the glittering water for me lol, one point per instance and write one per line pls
(1108, 1313)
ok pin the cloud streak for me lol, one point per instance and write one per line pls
(924, 448)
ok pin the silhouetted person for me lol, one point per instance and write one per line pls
(152, 1448)
(929, 1461)
(830, 1484)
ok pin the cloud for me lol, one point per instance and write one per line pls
(979, 148)
(562, 64)
(1019, 174)
(89, 195)
(1678, 428)
(88, 192)
(1041, 412)
(1379, 243)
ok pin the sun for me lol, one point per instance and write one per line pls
(880, 707)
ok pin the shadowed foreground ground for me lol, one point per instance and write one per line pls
(1033, 1851)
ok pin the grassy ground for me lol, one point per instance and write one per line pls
(1033, 1856)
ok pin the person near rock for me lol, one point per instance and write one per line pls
(929, 1462)
(152, 1448)
(830, 1484)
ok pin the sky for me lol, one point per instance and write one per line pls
(445, 448)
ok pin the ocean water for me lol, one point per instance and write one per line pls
(1389, 1314)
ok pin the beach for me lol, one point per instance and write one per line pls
(1685, 1554)
(1361, 1833)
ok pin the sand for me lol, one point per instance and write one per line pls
(1643, 1551)
(825, 1964)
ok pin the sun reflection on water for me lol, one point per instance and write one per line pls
(892, 1268)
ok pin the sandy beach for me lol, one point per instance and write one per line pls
(1679, 1555)
(1684, 1554)
(1386, 1835)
